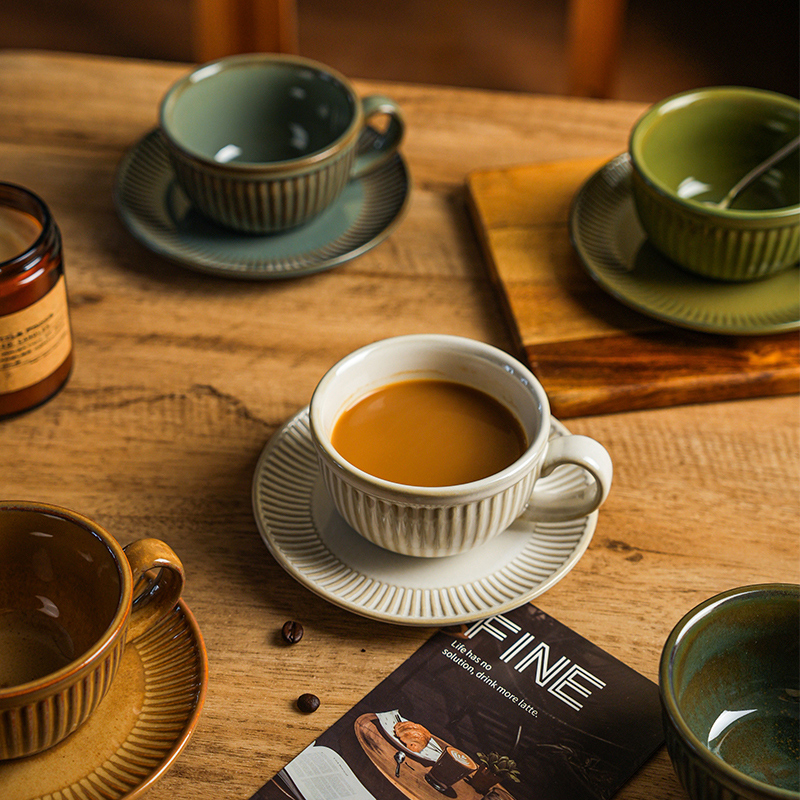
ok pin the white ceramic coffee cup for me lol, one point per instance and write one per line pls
(433, 521)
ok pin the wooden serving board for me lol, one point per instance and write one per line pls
(592, 353)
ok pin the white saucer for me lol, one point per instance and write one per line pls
(308, 538)
(157, 213)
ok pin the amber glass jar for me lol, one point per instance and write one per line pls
(35, 335)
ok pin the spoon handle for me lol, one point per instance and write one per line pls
(759, 170)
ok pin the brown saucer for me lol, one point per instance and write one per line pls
(138, 730)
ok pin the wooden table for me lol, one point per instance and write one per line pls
(181, 378)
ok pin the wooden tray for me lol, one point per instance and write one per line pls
(593, 354)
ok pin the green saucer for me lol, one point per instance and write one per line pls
(610, 242)
(157, 213)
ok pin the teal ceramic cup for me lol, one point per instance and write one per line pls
(261, 143)
(688, 151)
(729, 681)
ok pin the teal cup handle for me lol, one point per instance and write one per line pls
(376, 150)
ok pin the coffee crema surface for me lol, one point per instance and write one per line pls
(429, 432)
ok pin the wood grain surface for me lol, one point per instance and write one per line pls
(181, 378)
(594, 354)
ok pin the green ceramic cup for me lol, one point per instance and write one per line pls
(730, 687)
(688, 150)
(262, 143)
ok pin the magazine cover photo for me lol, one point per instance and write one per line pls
(515, 707)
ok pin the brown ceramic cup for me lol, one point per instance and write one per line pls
(70, 599)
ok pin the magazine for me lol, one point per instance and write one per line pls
(513, 707)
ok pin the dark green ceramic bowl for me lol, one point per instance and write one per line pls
(688, 150)
(729, 680)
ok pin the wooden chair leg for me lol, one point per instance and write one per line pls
(594, 39)
(225, 27)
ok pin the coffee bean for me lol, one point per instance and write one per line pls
(292, 632)
(308, 703)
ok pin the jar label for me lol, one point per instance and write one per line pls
(35, 341)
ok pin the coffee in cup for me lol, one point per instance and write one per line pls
(399, 511)
(70, 599)
(263, 142)
(451, 767)
(429, 433)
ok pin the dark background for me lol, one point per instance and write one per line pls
(515, 45)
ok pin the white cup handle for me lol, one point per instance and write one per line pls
(576, 497)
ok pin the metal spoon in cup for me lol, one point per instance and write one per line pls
(757, 172)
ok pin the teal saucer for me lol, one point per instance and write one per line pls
(157, 213)
(612, 245)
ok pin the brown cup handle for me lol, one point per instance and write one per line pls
(158, 580)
